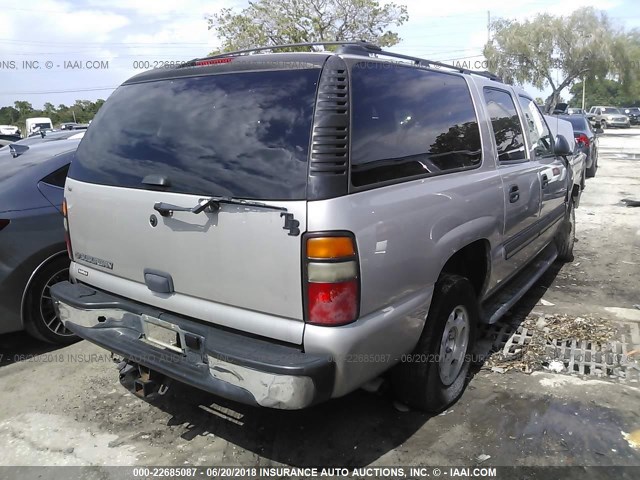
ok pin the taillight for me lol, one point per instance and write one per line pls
(582, 138)
(332, 286)
(67, 237)
(4, 223)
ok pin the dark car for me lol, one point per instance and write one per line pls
(51, 136)
(33, 254)
(633, 113)
(8, 140)
(586, 140)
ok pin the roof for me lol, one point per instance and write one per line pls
(254, 59)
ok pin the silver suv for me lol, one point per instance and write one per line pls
(281, 228)
(605, 117)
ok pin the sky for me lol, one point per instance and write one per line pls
(43, 44)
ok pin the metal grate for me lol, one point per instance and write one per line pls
(610, 361)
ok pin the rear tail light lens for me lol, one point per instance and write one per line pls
(4, 223)
(582, 138)
(67, 237)
(332, 283)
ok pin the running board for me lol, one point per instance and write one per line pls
(499, 303)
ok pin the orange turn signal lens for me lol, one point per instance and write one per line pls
(330, 247)
(64, 207)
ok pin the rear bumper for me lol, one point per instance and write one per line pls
(246, 369)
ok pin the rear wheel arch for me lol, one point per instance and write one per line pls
(56, 261)
(473, 261)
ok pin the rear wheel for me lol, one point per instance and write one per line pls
(41, 319)
(566, 236)
(436, 373)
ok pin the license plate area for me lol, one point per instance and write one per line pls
(162, 334)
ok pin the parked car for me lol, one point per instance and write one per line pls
(605, 117)
(32, 246)
(35, 124)
(8, 140)
(9, 130)
(74, 126)
(586, 140)
(560, 126)
(633, 113)
(44, 137)
(336, 216)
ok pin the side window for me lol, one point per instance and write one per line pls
(58, 177)
(507, 129)
(409, 122)
(537, 129)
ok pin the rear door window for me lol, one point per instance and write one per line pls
(507, 129)
(237, 134)
(538, 131)
(410, 122)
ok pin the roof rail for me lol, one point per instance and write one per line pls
(360, 43)
(357, 47)
(430, 63)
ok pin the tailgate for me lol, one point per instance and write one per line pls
(177, 141)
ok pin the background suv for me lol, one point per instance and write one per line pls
(605, 117)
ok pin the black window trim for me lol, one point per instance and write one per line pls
(493, 135)
(372, 186)
(44, 180)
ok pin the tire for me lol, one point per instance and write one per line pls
(566, 236)
(425, 381)
(603, 125)
(41, 321)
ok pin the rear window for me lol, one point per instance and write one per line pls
(409, 122)
(241, 134)
(578, 123)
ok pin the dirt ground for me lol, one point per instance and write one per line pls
(67, 407)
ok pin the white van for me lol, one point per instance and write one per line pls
(37, 123)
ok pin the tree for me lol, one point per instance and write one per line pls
(273, 22)
(49, 108)
(9, 115)
(85, 110)
(553, 51)
(602, 92)
(25, 108)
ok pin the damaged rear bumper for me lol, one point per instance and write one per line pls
(246, 369)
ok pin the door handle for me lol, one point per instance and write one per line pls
(514, 196)
(545, 181)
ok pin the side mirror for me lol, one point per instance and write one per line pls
(598, 131)
(562, 147)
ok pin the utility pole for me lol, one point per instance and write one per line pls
(488, 26)
(74, 116)
(584, 82)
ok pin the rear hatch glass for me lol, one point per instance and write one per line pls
(237, 134)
